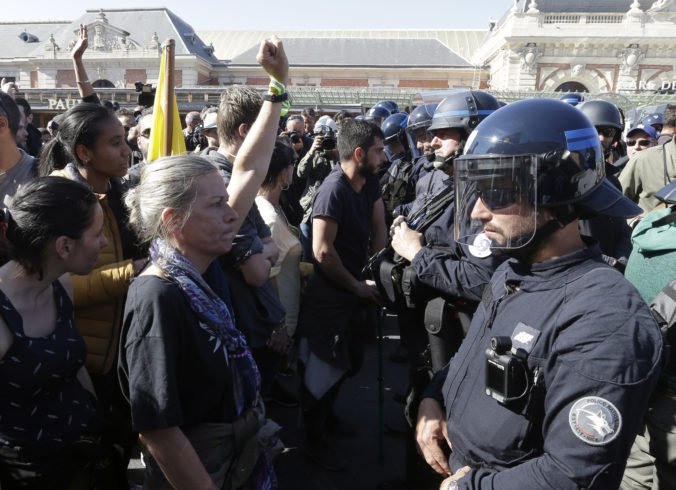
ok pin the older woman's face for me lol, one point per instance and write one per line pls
(209, 230)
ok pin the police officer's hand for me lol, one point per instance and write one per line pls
(454, 477)
(272, 58)
(407, 242)
(368, 291)
(395, 224)
(430, 434)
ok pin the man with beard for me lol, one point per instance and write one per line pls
(552, 381)
(337, 305)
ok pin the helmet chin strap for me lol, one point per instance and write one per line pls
(446, 163)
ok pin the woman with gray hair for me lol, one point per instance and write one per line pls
(188, 373)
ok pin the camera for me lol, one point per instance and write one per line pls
(295, 137)
(146, 96)
(507, 377)
(328, 138)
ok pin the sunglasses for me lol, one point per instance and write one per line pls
(606, 132)
(640, 142)
(498, 198)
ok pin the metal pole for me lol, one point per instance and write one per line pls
(167, 104)
(381, 389)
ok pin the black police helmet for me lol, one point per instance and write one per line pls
(602, 113)
(421, 117)
(564, 145)
(394, 126)
(463, 110)
(390, 105)
(377, 113)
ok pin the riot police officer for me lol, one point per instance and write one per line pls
(609, 124)
(440, 266)
(396, 180)
(613, 234)
(551, 383)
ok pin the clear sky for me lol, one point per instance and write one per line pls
(285, 14)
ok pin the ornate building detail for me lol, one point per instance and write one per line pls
(154, 42)
(661, 6)
(533, 8)
(577, 70)
(630, 57)
(635, 9)
(109, 38)
(50, 45)
(529, 55)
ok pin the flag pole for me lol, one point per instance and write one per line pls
(168, 95)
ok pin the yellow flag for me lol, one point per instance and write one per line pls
(158, 133)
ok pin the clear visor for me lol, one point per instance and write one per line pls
(495, 201)
(419, 140)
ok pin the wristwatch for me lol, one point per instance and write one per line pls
(452, 485)
(274, 98)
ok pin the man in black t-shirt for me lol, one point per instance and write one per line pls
(347, 215)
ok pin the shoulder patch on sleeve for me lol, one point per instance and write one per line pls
(595, 420)
(481, 247)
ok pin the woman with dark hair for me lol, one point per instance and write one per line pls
(90, 148)
(189, 375)
(47, 406)
(286, 271)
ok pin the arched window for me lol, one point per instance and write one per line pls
(571, 87)
(101, 83)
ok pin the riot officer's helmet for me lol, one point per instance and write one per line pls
(464, 111)
(390, 105)
(394, 126)
(536, 153)
(602, 113)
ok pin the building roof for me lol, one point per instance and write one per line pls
(229, 44)
(362, 52)
(595, 6)
(161, 21)
(15, 47)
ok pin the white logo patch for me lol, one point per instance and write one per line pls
(481, 247)
(595, 420)
(524, 337)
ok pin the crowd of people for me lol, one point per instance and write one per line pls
(528, 251)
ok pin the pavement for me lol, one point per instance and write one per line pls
(357, 403)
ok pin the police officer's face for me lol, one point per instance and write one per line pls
(507, 223)
(446, 141)
(606, 136)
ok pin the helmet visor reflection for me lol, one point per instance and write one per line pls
(495, 200)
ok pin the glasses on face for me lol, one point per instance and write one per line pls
(146, 133)
(606, 132)
(498, 198)
(641, 142)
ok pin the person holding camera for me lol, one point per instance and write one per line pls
(552, 381)
(192, 133)
(314, 168)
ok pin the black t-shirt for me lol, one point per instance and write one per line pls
(353, 211)
(170, 369)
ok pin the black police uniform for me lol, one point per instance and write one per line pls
(593, 360)
(428, 186)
